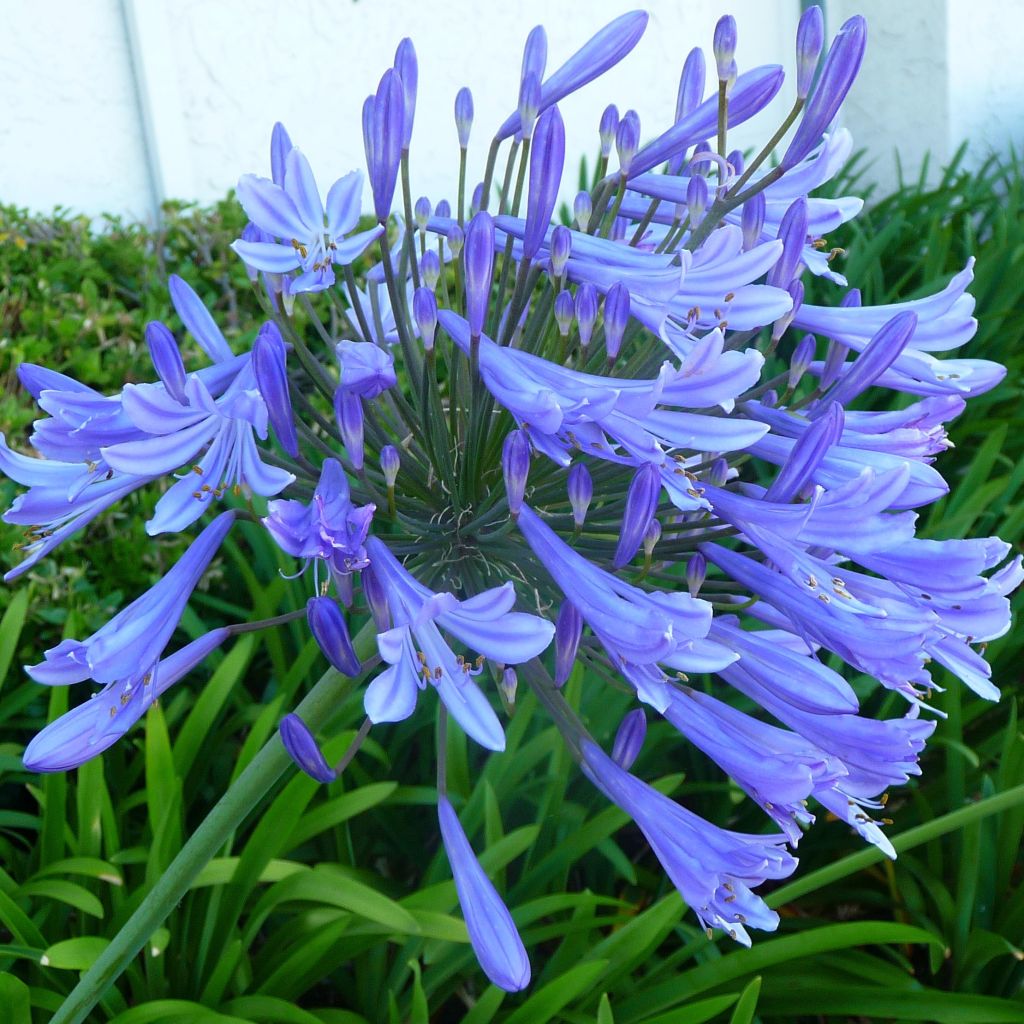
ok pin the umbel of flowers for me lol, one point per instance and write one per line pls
(624, 443)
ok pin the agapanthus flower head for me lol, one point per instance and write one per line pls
(466, 455)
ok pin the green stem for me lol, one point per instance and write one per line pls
(230, 811)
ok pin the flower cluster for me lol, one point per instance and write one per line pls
(631, 424)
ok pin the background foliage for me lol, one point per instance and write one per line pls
(331, 905)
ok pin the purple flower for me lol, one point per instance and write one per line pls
(418, 654)
(384, 128)
(478, 257)
(311, 234)
(366, 368)
(629, 738)
(407, 68)
(547, 158)
(641, 504)
(515, 465)
(492, 931)
(330, 527)
(810, 37)
(463, 115)
(268, 364)
(327, 624)
(303, 749)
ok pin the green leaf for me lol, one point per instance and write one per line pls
(10, 630)
(14, 994)
(338, 810)
(221, 870)
(548, 1001)
(74, 954)
(90, 867)
(70, 893)
(747, 1005)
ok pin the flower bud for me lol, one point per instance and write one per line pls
(509, 684)
(770, 399)
(581, 491)
(348, 412)
(735, 162)
(582, 210)
(730, 78)
(430, 268)
(389, 463)
(386, 141)
(608, 128)
(327, 624)
(421, 212)
(810, 37)
(629, 738)
(443, 210)
(424, 311)
(456, 240)
(463, 115)
(641, 503)
(616, 317)
(724, 45)
(303, 749)
(268, 365)
(366, 368)
(547, 159)
(408, 69)
(565, 312)
(561, 247)
(627, 140)
(280, 147)
(529, 104)
(803, 356)
(696, 571)
(535, 53)
(696, 199)
(884, 348)
(651, 538)
(376, 599)
(793, 233)
(586, 311)
(718, 472)
(476, 201)
(692, 81)
(752, 220)
(618, 231)
(166, 357)
(478, 258)
(568, 630)
(515, 465)
(835, 355)
(806, 454)
(796, 293)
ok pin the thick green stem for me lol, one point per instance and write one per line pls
(231, 810)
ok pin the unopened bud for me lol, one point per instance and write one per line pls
(565, 312)
(696, 571)
(463, 115)
(561, 246)
(529, 103)
(810, 38)
(627, 140)
(641, 504)
(581, 491)
(421, 212)
(327, 624)
(752, 220)
(582, 210)
(607, 129)
(389, 463)
(629, 739)
(616, 317)
(515, 465)
(424, 310)
(724, 45)
(430, 268)
(509, 684)
(456, 240)
(348, 411)
(803, 356)
(586, 311)
(443, 209)
(568, 630)
(651, 538)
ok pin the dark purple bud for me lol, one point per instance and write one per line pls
(724, 45)
(386, 141)
(841, 67)
(696, 199)
(806, 455)
(582, 209)
(327, 624)
(803, 356)
(793, 233)
(167, 362)
(752, 220)
(529, 104)
(509, 684)
(376, 599)
(651, 537)
(796, 293)
(430, 268)
(421, 212)
(627, 140)
(535, 53)
(629, 739)
(735, 162)
(607, 128)
(547, 158)
(616, 317)
(424, 311)
(568, 630)
(641, 503)
(835, 355)
(593, 59)
(389, 463)
(348, 411)
(303, 749)
(876, 357)
(561, 248)
(478, 259)
(408, 70)
(456, 239)
(581, 490)
(463, 115)
(476, 202)
(696, 571)
(280, 147)
(586, 311)
(443, 210)
(565, 311)
(810, 38)
(515, 465)
(268, 366)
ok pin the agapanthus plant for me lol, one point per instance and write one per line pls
(623, 446)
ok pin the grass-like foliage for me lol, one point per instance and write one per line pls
(333, 905)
